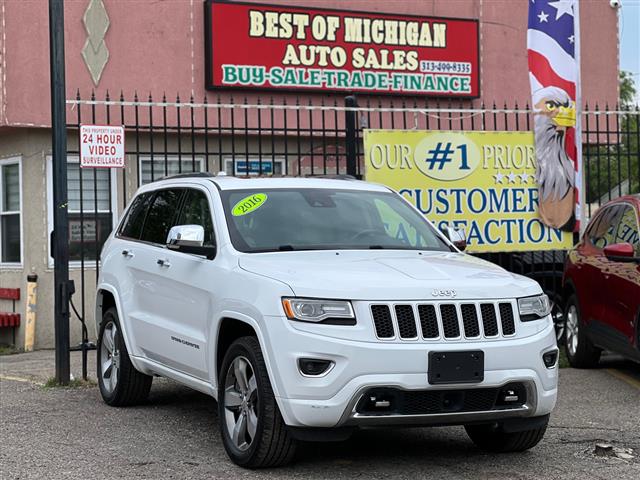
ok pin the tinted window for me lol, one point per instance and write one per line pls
(604, 231)
(628, 228)
(161, 216)
(132, 226)
(195, 211)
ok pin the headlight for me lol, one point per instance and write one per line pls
(534, 308)
(333, 312)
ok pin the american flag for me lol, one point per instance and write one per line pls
(553, 53)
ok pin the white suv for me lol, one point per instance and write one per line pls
(312, 307)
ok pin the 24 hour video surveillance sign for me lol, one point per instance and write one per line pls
(101, 146)
(292, 48)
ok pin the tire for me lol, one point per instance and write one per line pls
(557, 314)
(120, 383)
(251, 398)
(493, 439)
(581, 353)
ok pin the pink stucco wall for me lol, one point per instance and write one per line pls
(158, 46)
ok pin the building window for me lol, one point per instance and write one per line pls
(160, 167)
(10, 212)
(92, 208)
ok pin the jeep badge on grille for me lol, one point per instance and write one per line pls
(444, 293)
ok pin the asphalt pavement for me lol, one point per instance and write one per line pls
(69, 433)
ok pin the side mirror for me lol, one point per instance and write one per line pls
(457, 236)
(620, 252)
(189, 239)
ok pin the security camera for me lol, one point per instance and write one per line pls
(615, 3)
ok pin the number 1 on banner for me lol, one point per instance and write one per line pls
(464, 165)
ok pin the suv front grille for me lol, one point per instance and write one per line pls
(508, 322)
(448, 320)
(489, 319)
(450, 325)
(428, 321)
(382, 321)
(406, 321)
(470, 320)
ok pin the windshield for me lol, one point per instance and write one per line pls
(325, 219)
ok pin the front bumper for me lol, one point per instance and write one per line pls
(330, 401)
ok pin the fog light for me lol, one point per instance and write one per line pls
(550, 358)
(512, 395)
(378, 402)
(509, 396)
(314, 367)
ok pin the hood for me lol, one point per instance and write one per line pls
(388, 275)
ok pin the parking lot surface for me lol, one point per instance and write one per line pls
(70, 433)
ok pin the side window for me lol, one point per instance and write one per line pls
(161, 216)
(592, 229)
(628, 228)
(604, 232)
(132, 226)
(195, 211)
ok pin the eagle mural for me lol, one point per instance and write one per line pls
(555, 115)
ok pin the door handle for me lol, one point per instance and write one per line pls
(164, 263)
(127, 253)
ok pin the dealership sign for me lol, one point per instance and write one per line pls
(101, 146)
(291, 48)
(483, 182)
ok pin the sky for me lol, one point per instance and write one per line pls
(629, 25)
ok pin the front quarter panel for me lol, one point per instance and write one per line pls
(251, 299)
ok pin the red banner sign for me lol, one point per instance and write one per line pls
(293, 48)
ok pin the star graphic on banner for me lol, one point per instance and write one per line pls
(499, 177)
(544, 17)
(572, 39)
(562, 7)
(524, 177)
(512, 177)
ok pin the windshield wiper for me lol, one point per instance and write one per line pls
(308, 248)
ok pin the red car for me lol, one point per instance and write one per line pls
(602, 286)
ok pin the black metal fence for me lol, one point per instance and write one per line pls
(303, 137)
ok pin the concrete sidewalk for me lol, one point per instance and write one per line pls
(39, 366)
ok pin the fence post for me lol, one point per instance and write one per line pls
(60, 244)
(350, 124)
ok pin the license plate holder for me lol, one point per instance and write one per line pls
(456, 367)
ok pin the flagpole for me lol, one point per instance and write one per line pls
(582, 208)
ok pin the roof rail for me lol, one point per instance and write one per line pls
(188, 175)
(211, 175)
(333, 176)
